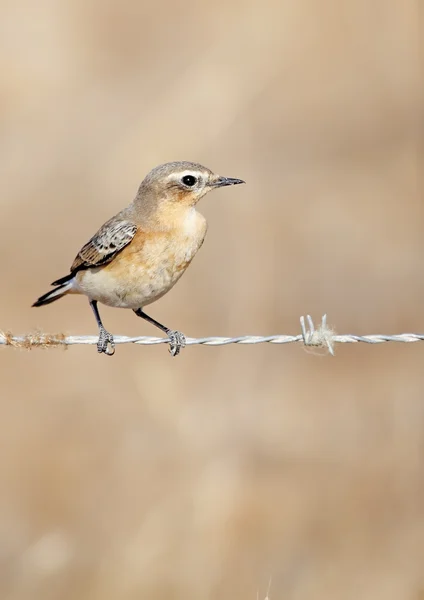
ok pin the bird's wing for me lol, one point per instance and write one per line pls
(111, 238)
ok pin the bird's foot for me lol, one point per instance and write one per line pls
(106, 343)
(177, 341)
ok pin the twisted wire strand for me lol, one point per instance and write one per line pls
(321, 337)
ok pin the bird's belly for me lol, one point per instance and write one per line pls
(135, 281)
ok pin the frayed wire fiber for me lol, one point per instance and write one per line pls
(36, 339)
(322, 337)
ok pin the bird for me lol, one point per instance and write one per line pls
(138, 255)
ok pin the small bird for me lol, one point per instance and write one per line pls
(139, 255)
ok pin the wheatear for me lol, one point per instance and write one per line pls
(140, 254)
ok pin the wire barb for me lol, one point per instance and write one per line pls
(321, 337)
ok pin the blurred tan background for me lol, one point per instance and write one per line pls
(214, 474)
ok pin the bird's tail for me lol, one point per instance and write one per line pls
(64, 287)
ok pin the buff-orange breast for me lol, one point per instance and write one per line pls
(145, 269)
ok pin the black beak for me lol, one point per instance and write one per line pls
(222, 181)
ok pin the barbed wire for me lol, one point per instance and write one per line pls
(320, 337)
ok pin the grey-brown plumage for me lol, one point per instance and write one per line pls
(111, 238)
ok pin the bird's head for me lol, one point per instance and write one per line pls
(178, 185)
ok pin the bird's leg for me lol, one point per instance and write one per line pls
(105, 343)
(176, 338)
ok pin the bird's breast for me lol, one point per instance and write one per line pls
(147, 268)
(172, 251)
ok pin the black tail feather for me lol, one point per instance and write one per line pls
(52, 295)
(63, 280)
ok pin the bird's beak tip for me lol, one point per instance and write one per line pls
(224, 181)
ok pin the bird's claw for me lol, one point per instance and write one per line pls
(106, 343)
(177, 341)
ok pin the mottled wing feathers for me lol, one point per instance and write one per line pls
(112, 237)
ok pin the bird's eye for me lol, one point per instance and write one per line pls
(189, 180)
